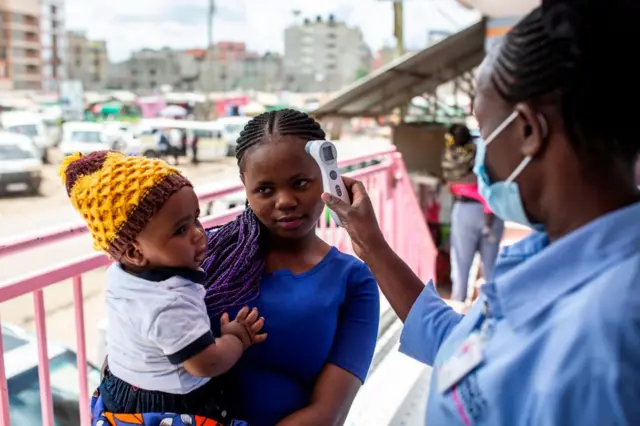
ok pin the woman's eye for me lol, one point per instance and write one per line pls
(264, 190)
(180, 230)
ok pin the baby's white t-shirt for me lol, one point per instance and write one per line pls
(156, 321)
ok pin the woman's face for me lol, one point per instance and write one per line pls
(525, 136)
(283, 185)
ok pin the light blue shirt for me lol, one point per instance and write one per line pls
(563, 346)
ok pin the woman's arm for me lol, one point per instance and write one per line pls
(350, 357)
(331, 400)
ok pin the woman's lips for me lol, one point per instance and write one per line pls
(291, 222)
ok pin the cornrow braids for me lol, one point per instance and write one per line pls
(566, 47)
(235, 257)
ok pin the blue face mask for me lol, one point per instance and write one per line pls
(502, 197)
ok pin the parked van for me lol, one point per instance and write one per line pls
(211, 144)
(84, 137)
(231, 128)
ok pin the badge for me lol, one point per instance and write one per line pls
(464, 360)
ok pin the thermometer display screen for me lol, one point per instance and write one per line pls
(327, 153)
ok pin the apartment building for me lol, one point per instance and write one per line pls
(324, 55)
(54, 44)
(228, 66)
(20, 45)
(87, 60)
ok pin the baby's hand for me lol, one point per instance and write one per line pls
(245, 327)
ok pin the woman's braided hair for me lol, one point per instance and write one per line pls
(235, 255)
(571, 47)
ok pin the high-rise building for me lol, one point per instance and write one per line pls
(87, 60)
(324, 55)
(20, 45)
(54, 43)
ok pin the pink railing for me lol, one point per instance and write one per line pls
(391, 192)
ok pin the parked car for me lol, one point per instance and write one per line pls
(21, 366)
(83, 137)
(20, 164)
(32, 125)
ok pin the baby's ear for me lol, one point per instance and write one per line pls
(134, 256)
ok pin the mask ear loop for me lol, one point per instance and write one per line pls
(501, 128)
(527, 160)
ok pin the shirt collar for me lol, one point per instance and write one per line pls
(532, 274)
(163, 274)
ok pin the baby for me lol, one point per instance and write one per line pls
(162, 354)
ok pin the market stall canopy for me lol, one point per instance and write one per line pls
(410, 76)
(111, 108)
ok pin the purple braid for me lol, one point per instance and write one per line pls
(234, 263)
(235, 258)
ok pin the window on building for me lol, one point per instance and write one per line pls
(153, 71)
(3, 52)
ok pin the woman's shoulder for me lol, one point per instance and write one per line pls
(355, 270)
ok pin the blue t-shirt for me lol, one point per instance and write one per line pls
(329, 314)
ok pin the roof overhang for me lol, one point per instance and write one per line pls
(410, 76)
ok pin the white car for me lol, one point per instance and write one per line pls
(31, 125)
(83, 137)
(20, 164)
(21, 366)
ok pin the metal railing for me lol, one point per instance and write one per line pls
(392, 195)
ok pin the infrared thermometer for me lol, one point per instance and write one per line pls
(326, 155)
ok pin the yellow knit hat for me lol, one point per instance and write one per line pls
(117, 194)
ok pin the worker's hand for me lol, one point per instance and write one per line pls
(359, 218)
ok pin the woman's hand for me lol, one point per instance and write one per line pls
(359, 218)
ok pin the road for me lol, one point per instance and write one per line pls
(24, 214)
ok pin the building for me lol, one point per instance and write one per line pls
(148, 70)
(54, 44)
(227, 66)
(20, 45)
(87, 60)
(230, 66)
(324, 55)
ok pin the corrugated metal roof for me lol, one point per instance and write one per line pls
(409, 76)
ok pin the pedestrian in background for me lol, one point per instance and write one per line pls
(474, 228)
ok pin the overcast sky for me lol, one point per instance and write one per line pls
(132, 24)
